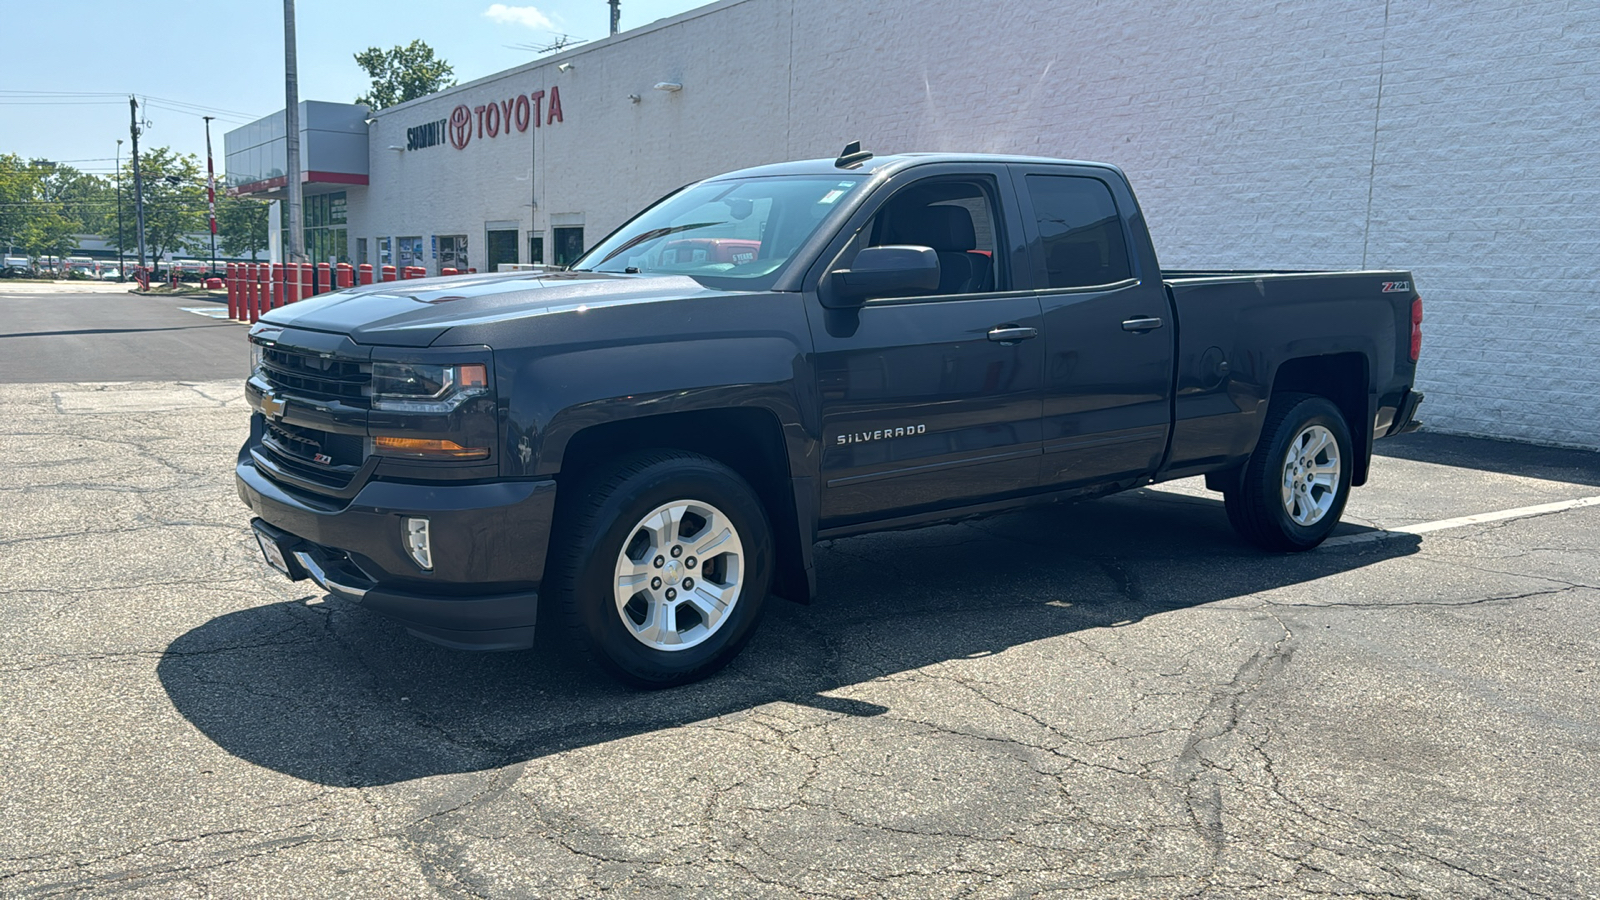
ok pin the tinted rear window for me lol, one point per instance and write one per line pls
(1080, 231)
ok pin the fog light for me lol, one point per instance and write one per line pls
(418, 543)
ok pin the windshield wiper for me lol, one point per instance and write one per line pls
(651, 235)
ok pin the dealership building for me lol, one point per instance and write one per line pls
(1455, 140)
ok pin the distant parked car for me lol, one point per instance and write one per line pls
(110, 273)
(17, 265)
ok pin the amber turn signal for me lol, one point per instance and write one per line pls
(418, 448)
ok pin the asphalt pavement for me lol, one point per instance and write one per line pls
(72, 331)
(1114, 699)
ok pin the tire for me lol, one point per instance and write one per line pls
(1294, 486)
(660, 566)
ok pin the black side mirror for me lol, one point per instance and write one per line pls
(896, 270)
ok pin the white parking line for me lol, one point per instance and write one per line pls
(1521, 512)
(211, 312)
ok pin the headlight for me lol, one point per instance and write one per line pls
(424, 388)
(255, 357)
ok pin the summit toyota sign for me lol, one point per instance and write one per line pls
(490, 120)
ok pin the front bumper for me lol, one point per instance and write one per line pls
(489, 542)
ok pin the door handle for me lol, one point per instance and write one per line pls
(1141, 324)
(1010, 334)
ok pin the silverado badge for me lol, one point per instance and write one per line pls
(878, 434)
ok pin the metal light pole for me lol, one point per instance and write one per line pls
(294, 250)
(138, 186)
(616, 15)
(122, 274)
(211, 195)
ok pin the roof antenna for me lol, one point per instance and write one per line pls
(852, 157)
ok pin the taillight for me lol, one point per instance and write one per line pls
(1416, 328)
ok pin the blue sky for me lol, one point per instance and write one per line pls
(228, 58)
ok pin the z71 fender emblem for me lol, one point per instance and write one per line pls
(1395, 287)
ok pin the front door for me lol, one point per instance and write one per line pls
(933, 401)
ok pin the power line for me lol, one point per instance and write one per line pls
(119, 97)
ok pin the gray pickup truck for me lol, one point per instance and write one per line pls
(648, 444)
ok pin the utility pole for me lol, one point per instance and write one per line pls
(121, 266)
(294, 250)
(616, 15)
(138, 185)
(211, 195)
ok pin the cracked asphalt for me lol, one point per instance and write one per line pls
(1107, 700)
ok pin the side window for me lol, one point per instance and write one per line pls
(1080, 231)
(954, 216)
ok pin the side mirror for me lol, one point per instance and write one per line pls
(896, 270)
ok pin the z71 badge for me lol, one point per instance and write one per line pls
(1395, 287)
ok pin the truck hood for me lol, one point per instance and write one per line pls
(418, 312)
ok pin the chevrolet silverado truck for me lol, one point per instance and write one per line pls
(648, 443)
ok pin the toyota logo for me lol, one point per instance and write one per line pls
(460, 127)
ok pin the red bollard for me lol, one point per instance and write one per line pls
(278, 295)
(472, 271)
(263, 293)
(388, 273)
(346, 275)
(233, 294)
(449, 271)
(308, 282)
(324, 281)
(364, 273)
(287, 277)
(242, 310)
(414, 272)
(247, 292)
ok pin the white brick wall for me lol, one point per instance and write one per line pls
(1455, 139)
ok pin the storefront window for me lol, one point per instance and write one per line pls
(569, 245)
(385, 252)
(325, 232)
(500, 247)
(361, 251)
(453, 252)
(536, 249)
(411, 252)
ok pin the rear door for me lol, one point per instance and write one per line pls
(933, 401)
(1109, 333)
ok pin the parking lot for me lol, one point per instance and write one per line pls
(1104, 700)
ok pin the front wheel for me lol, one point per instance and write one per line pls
(662, 566)
(1294, 487)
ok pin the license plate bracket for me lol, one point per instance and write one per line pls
(276, 551)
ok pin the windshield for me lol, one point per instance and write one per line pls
(725, 233)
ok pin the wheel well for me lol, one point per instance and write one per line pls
(748, 441)
(1343, 379)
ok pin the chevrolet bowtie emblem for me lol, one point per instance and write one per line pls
(273, 406)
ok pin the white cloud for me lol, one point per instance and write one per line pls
(518, 15)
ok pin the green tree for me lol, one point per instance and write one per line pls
(18, 188)
(174, 204)
(242, 225)
(49, 233)
(88, 201)
(402, 73)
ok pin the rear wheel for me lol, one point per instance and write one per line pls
(1294, 487)
(662, 566)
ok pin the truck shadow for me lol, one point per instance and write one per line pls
(1501, 457)
(332, 694)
